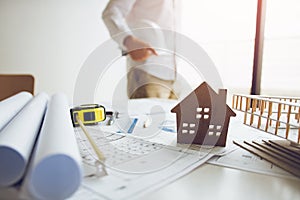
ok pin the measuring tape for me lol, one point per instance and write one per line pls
(89, 114)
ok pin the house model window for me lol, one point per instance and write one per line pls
(202, 112)
(203, 117)
(188, 128)
(215, 130)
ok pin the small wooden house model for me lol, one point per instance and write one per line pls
(203, 117)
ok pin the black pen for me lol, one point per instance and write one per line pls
(124, 53)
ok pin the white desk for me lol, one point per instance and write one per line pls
(214, 182)
(219, 183)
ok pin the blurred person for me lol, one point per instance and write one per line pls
(150, 74)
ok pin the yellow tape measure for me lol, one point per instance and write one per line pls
(89, 114)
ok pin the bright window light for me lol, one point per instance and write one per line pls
(281, 61)
(226, 30)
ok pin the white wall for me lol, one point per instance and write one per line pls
(50, 39)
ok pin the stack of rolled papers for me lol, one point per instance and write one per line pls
(17, 138)
(38, 149)
(11, 106)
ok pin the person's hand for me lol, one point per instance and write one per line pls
(138, 49)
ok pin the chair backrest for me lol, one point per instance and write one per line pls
(11, 84)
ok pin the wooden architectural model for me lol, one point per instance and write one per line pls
(276, 115)
(203, 117)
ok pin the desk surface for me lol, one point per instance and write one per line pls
(214, 182)
(219, 183)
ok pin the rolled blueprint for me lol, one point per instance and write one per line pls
(55, 172)
(11, 106)
(18, 138)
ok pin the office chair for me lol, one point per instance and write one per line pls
(11, 84)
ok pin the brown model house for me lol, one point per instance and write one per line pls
(203, 117)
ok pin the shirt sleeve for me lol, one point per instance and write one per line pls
(114, 17)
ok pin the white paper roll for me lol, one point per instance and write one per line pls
(17, 140)
(11, 106)
(56, 169)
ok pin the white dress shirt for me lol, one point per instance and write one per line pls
(127, 17)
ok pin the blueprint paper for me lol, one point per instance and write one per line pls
(142, 161)
(135, 167)
(17, 140)
(11, 106)
(242, 159)
(55, 172)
